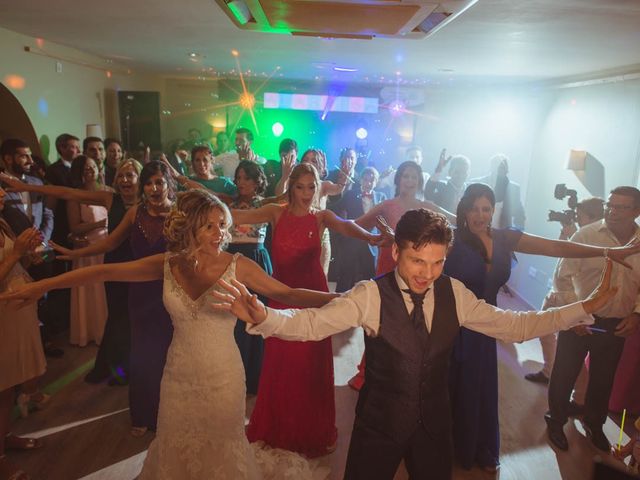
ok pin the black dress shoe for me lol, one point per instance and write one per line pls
(556, 434)
(537, 377)
(598, 438)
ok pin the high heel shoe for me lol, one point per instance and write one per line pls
(34, 401)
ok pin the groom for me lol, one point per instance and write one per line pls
(411, 317)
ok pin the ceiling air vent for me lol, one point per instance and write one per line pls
(357, 19)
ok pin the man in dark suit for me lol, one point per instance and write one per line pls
(353, 260)
(68, 147)
(288, 152)
(509, 211)
(447, 193)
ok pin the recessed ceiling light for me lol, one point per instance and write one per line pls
(193, 55)
(345, 69)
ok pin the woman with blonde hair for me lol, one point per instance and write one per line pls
(201, 418)
(327, 188)
(295, 408)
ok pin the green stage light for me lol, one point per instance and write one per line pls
(277, 129)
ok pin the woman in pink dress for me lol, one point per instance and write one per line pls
(409, 184)
(295, 408)
(88, 225)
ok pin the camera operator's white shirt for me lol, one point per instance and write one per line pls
(578, 277)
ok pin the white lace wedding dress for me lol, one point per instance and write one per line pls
(200, 431)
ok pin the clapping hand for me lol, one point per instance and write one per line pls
(27, 241)
(240, 302)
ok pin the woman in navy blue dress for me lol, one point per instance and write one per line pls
(481, 257)
(483, 266)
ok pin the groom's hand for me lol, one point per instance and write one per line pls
(240, 302)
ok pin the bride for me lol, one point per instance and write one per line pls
(202, 400)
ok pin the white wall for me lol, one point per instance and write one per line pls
(66, 101)
(602, 119)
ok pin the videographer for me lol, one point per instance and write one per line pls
(587, 211)
(603, 341)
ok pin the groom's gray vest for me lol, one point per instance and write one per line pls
(407, 374)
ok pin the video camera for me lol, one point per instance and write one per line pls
(565, 217)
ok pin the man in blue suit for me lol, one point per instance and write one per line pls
(353, 259)
(24, 210)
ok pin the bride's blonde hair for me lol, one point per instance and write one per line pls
(188, 215)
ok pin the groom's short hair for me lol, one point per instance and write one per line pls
(421, 227)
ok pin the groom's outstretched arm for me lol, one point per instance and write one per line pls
(359, 307)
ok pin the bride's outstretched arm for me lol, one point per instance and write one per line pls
(143, 270)
(249, 273)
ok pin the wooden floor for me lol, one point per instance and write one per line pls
(86, 426)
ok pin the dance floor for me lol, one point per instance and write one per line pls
(86, 427)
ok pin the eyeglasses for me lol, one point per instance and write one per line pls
(613, 206)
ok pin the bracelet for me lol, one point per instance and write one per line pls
(606, 252)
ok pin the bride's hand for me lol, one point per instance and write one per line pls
(240, 302)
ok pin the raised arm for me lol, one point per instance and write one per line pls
(330, 188)
(279, 199)
(512, 326)
(265, 214)
(436, 208)
(348, 228)
(101, 197)
(562, 248)
(143, 270)
(113, 240)
(368, 220)
(249, 273)
(287, 162)
(352, 309)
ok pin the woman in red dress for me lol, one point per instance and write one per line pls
(295, 408)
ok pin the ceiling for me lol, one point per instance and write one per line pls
(502, 40)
